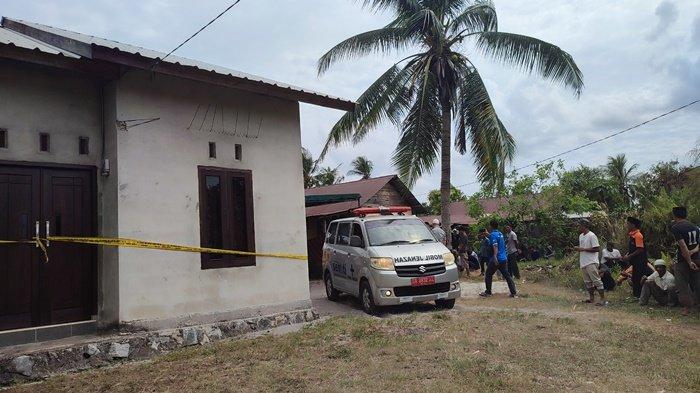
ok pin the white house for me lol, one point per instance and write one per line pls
(99, 138)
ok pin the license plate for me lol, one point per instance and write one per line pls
(442, 295)
(420, 281)
(405, 299)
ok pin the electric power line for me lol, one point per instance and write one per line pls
(195, 34)
(587, 144)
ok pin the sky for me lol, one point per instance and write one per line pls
(639, 58)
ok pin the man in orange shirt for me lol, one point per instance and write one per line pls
(636, 255)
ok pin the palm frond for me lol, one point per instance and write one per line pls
(417, 150)
(400, 7)
(532, 55)
(382, 40)
(480, 16)
(382, 100)
(478, 126)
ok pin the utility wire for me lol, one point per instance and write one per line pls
(195, 34)
(588, 144)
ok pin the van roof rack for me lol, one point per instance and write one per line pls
(382, 210)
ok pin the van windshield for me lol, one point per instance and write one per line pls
(397, 231)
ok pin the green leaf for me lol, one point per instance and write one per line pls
(532, 55)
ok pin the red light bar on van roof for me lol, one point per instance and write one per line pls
(383, 210)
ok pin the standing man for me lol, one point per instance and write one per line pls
(499, 261)
(588, 248)
(513, 252)
(463, 248)
(636, 255)
(485, 250)
(660, 284)
(610, 255)
(687, 268)
(438, 232)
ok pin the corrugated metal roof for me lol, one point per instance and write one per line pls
(30, 43)
(10, 37)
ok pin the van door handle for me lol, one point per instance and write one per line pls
(36, 228)
(48, 231)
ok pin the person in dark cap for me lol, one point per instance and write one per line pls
(636, 255)
(588, 248)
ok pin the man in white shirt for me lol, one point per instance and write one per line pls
(660, 284)
(438, 232)
(610, 255)
(588, 248)
(513, 250)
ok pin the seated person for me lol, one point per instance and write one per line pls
(549, 252)
(534, 253)
(660, 284)
(606, 277)
(610, 255)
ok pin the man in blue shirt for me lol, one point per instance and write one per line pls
(499, 261)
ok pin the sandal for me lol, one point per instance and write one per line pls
(587, 301)
(602, 304)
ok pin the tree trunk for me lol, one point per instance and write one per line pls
(445, 182)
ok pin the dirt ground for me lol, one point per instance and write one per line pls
(545, 341)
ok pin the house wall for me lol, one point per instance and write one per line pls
(158, 199)
(35, 99)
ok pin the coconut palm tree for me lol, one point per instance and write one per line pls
(438, 87)
(309, 166)
(328, 176)
(361, 166)
(621, 175)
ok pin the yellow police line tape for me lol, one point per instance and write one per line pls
(133, 243)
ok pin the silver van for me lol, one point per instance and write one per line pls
(388, 260)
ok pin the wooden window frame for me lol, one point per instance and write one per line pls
(226, 175)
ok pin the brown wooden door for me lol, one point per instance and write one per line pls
(64, 289)
(19, 212)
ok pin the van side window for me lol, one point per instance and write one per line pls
(357, 231)
(330, 235)
(343, 234)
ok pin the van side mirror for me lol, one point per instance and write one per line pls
(356, 241)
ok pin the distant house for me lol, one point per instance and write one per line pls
(459, 213)
(378, 191)
(100, 138)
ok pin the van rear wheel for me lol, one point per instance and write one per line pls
(445, 304)
(331, 293)
(367, 299)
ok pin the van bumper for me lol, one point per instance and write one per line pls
(389, 289)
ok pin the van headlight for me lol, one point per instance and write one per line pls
(449, 258)
(382, 263)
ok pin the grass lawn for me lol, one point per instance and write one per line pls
(543, 341)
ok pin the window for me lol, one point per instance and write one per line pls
(212, 150)
(226, 216)
(343, 234)
(3, 138)
(357, 231)
(44, 142)
(238, 153)
(330, 235)
(83, 145)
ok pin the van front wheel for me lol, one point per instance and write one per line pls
(367, 299)
(331, 293)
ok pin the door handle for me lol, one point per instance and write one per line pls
(36, 236)
(48, 232)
